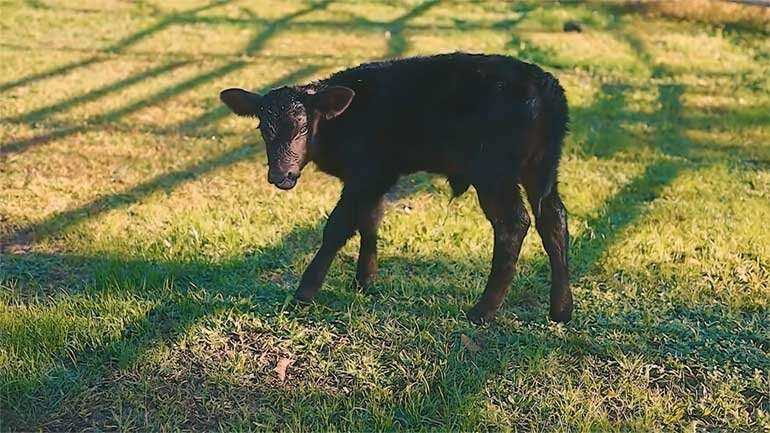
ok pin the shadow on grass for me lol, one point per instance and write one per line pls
(22, 237)
(61, 221)
(241, 285)
(26, 235)
(185, 293)
(96, 94)
(115, 48)
(211, 116)
(254, 45)
(396, 46)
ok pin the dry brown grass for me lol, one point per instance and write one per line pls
(721, 12)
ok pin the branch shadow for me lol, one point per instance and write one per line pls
(213, 115)
(115, 48)
(241, 285)
(254, 45)
(27, 234)
(671, 336)
(61, 221)
(43, 112)
(397, 45)
(164, 321)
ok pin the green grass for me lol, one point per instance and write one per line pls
(147, 266)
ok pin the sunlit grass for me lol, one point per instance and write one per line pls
(147, 265)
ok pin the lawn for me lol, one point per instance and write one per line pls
(147, 267)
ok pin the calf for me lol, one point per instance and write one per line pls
(489, 121)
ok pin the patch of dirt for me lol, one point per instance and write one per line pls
(202, 380)
(20, 243)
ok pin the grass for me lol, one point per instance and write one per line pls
(146, 266)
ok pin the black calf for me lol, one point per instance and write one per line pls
(489, 121)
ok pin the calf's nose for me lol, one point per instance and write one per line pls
(275, 177)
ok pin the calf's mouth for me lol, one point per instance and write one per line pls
(286, 184)
(283, 181)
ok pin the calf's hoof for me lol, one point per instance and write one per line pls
(480, 314)
(304, 296)
(561, 304)
(561, 316)
(363, 286)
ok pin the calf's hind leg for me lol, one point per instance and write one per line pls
(505, 210)
(551, 224)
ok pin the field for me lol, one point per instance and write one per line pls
(146, 266)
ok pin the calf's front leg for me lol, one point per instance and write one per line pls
(368, 221)
(339, 228)
(353, 211)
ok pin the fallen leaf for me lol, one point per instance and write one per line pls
(283, 364)
(469, 344)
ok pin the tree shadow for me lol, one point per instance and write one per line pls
(242, 285)
(397, 43)
(671, 336)
(117, 47)
(397, 46)
(60, 221)
(254, 45)
(167, 181)
(680, 334)
(66, 104)
(175, 311)
(164, 321)
(248, 285)
(213, 115)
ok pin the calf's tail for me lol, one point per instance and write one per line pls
(553, 106)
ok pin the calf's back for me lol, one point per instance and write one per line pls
(467, 116)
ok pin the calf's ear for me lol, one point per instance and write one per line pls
(333, 101)
(241, 102)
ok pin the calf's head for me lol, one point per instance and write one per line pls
(289, 119)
